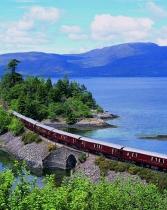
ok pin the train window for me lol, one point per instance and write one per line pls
(136, 154)
(127, 153)
(132, 154)
(94, 145)
(152, 158)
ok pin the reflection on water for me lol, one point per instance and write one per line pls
(7, 162)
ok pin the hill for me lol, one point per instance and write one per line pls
(124, 60)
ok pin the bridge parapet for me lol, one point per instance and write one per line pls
(63, 158)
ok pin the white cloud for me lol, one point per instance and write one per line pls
(161, 41)
(74, 32)
(160, 36)
(70, 29)
(43, 14)
(28, 32)
(156, 10)
(122, 28)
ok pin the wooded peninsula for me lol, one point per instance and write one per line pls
(39, 99)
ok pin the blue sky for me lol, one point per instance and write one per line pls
(74, 26)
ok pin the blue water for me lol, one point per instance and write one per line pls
(141, 104)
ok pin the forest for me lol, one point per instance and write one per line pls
(76, 193)
(39, 99)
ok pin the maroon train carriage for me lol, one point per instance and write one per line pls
(96, 146)
(44, 130)
(20, 116)
(105, 148)
(66, 138)
(145, 157)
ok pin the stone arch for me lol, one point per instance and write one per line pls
(71, 162)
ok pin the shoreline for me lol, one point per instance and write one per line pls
(98, 121)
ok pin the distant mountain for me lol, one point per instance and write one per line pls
(124, 60)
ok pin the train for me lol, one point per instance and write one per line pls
(114, 151)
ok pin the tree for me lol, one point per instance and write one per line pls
(16, 127)
(12, 65)
(48, 84)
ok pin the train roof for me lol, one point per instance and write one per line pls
(19, 115)
(31, 120)
(45, 126)
(116, 146)
(66, 133)
(155, 154)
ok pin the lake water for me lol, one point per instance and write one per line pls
(141, 104)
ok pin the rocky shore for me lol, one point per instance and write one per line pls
(38, 156)
(92, 171)
(162, 137)
(33, 153)
(96, 122)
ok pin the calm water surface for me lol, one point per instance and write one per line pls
(141, 104)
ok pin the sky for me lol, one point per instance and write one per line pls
(75, 26)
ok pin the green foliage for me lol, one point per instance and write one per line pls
(4, 121)
(76, 193)
(151, 176)
(16, 127)
(82, 157)
(40, 99)
(12, 65)
(55, 110)
(71, 118)
(29, 137)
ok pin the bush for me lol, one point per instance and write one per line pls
(16, 127)
(82, 157)
(133, 170)
(30, 137)
(71, 119)
(51, 147)
(151, 176)
(121, 167)
(4, 121)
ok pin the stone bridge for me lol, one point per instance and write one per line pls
(63, 158)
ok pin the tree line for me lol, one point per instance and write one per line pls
(40, 99)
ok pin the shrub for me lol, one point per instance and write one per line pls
(30, 137)
(82, 157)
(113, 165)
(4, 121)
(121, 167)
(71, 119)
(16, 127)
(51, 147)
(133, 170)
